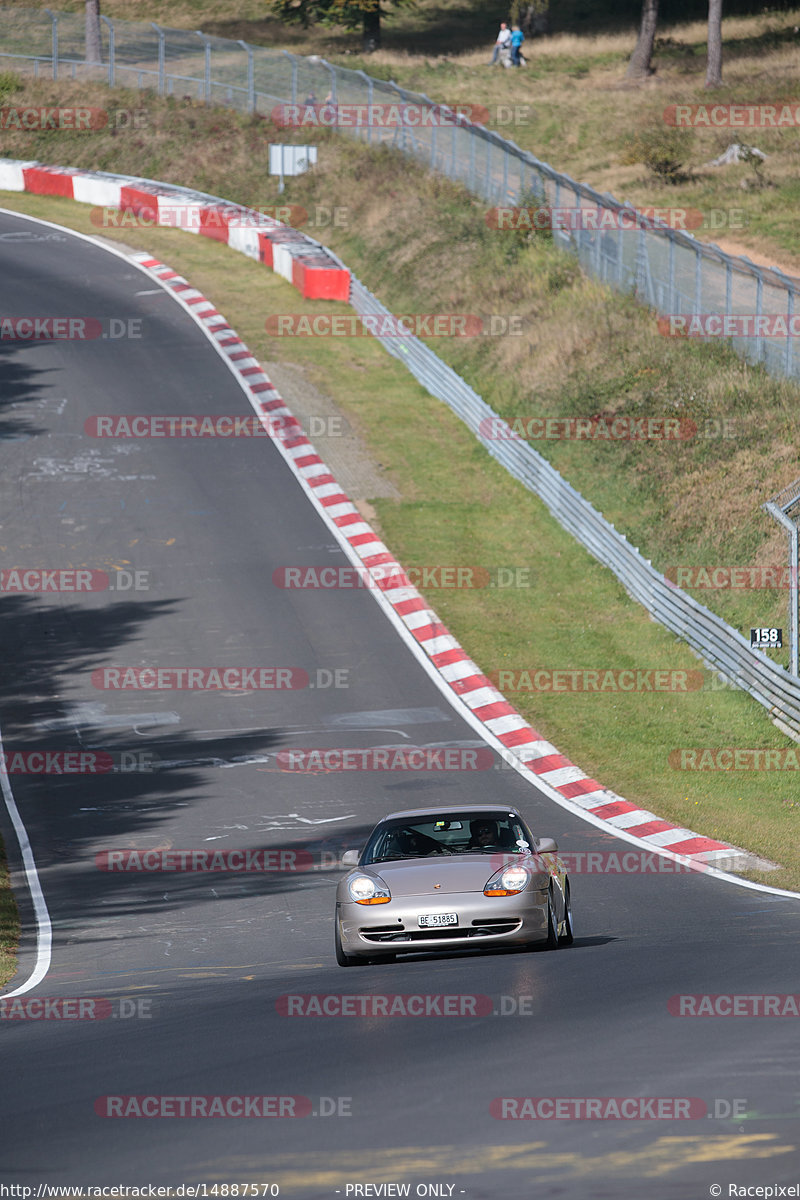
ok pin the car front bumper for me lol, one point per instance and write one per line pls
(371, 930)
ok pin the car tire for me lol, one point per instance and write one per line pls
(552, 925)
(343, 959)
(568, 936)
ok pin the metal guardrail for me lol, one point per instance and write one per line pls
(669, 270)
(666, 268)
(721, 647)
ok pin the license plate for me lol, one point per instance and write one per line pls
(429, 920)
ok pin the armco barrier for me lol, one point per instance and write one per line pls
(666, 268)
(721, 647)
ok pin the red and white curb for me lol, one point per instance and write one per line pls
(464, 678)
(292, 254)
(487, 710)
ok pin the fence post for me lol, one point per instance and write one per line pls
(789, 321)
(293, 61)
(207, 66)
(111, 50)
(54, 53)
(401, 108)
(160, 33)
(761, 350)
(251, 84)
(780, 513)
(370, 89)
(672, 303)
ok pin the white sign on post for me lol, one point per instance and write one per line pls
(290, 160)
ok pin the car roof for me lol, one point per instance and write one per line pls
(445, 810)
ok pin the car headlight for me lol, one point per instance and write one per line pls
(508, 881)
(366, 890)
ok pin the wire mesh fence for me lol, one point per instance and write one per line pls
(664, 267)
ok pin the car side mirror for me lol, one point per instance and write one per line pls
(350, 858)
(546, 846)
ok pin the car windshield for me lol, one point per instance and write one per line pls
(459, 833)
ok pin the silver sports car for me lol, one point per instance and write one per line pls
(444, 878)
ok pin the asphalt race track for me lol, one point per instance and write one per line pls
(195, 964)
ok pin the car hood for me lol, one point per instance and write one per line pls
(459, 873)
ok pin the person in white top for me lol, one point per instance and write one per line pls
(503, 42)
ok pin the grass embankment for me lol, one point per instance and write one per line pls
(9, 923)
(576, 110)
(423, 246)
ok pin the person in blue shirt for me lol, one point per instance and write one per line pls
(517, 38)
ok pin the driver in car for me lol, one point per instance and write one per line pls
(484, 835)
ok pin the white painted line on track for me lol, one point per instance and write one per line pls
(454, 700)
(44, 928)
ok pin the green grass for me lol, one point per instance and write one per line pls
(423, 245)
(458, 506)
(9, 923)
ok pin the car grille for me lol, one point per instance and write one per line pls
(395, 933)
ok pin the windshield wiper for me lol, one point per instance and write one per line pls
(394, 857)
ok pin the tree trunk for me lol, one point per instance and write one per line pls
(714, 59)
(94, 45)
(372, 30)
(639, 66)
(534, 20)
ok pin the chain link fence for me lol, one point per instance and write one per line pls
(665, 268)
(669, 270)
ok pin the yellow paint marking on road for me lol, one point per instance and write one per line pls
(401, 1164)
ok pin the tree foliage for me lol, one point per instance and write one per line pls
(352, 14)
